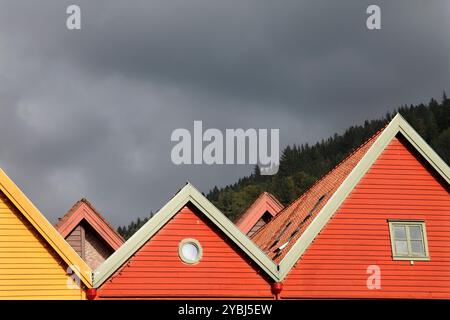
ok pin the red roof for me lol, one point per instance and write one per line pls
(266, 202)
(279, 235)
(84, 210)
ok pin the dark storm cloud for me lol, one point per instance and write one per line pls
(290, 53)
(90, 112)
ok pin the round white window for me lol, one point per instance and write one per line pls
(190, 251)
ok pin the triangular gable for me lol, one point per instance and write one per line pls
(188, 194)
(398, 125)
(266, 202)
(45, 229)
(83, 210)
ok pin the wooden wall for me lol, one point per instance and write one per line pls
(156, 271)
(29, 268)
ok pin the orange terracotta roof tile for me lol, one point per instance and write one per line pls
(279, 235)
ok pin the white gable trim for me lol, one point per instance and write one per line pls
(187, 194)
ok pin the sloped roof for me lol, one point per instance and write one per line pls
(266, 202)
(188, 194)
(83, 210)
(279, 235)
(45, 229)
(292, 227)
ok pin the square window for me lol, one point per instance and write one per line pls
(408, 240)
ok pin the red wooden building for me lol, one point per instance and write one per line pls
(189, 249)
(259, 213)
(376, 226)
(92, 237)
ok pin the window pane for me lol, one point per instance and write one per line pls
(415, 232)
(401, 247)
(417, 247)
(399, 233)
(190, 251)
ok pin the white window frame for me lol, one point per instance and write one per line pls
(410, 256)
(196, 244)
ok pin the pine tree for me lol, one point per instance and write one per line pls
(444, 98)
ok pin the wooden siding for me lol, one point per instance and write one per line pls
(398, 186)
(96, 249)
(156, 271)
(75, 239)
(89, 245)
(29, 268)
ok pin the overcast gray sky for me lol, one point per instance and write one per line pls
(89, 113)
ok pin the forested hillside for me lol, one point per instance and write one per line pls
(302, 165)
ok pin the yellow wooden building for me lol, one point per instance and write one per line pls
(35, 261)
